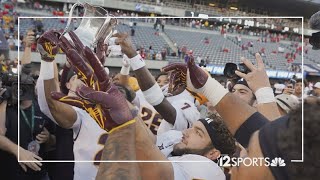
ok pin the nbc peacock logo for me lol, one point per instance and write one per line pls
(278, 161)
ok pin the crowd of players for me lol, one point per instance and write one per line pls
(83, 113)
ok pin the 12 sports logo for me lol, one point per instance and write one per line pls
(227, 161)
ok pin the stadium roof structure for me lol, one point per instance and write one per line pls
(277, 7)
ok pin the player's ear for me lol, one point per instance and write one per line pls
(68, 85)
(213, 154)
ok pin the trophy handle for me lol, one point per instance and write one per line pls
(107, 27)
(66, 29)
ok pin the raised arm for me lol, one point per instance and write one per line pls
(258, 82)
(126, 141)
(61, 113)
(147, 83)
(200, 82)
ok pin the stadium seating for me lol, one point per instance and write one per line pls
(195, 41)
(144, 37)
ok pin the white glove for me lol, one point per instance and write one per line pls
(125, 69)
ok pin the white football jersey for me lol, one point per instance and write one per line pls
(195, 170)
(89, 138)
(167, 140)
(147, 112)
(187, 112)
(206, 169)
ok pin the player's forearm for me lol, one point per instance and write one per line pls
(61, 113)
(240, 111)
(146, 150)
(50, 86)
(269, 110)
(49, 73)
(164, 108)
(150, 89)
(225, 102)
(266, 104)
(145, 79)
(167, 111)
(120, 146)
(143, 130)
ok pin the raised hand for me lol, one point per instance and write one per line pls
(29, 39)
(194, 76)
(258, 77)
(48, 46)
(84, 61)
(177, 76)
(126, 45)
(99, 97)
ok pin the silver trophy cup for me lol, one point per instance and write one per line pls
(92, 28)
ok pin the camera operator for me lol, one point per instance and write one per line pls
(314, 23)
(242, 90)
(34, 132)
(264, 102)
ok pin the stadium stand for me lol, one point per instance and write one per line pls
(219, 50)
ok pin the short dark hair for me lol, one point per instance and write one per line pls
(65, 77)
(290, 142)
(130, 95)
(161, 74)
(223, 135)
(299, 81)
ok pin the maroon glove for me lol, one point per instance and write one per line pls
(177, 77)
(84, 68)
(197, 76)
(48, 46)
(99, 97)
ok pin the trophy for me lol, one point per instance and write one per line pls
(92, 29)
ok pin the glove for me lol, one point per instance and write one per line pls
(48, 46)
(125, 69)
(199, 81)
(190, 74)
(77, 58)
(99, 97)
(125, 61)
(177, 76)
